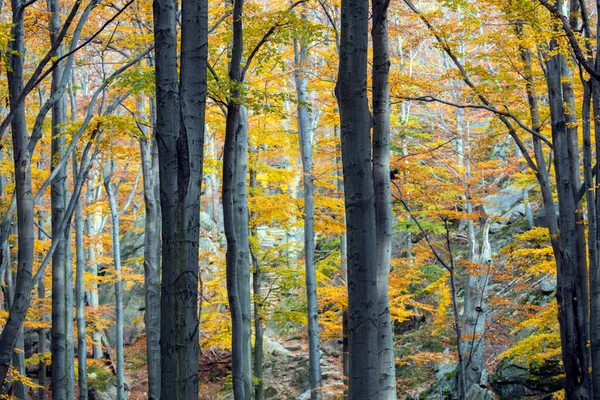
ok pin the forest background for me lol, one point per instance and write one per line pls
(222, 148)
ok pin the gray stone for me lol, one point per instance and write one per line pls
(478, 393)
(514, 380)
(499, 204)
(547, 286)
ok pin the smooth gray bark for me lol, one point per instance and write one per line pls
(259, 386)
(475, 306)
(359, 195)
(60, 363)
(116, 250)
(82, 381)
(151, 269)
(23, 192)
(305, 138)
(93, 227)
(383, 196)
(180, 111)
(236, 231)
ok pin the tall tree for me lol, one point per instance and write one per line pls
(60, 362)
(23, 190)
(383, 195)
(116, 250)
(235, 215)
(180, 113)
(355, 123)
(151, 258)
(305, 137)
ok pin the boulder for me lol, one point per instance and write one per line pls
(476, 392)
(514, 380)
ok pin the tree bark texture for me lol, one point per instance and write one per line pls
(151, 270)
(23, 192)
(305, 137)
(359, 201)
(116, 250)
(180, 111)
(383, 196)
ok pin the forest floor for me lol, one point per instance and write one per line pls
(285, 370)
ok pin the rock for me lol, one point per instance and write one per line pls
(304, 396)
(109, 394)
(274, 348)
(271, 393)
(478, 393)
(207, 245)
(207, 223)
(500, 203)
(547, 286)
(514, 380)
(295, 347)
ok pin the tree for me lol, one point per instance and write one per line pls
(355, 123)
(383, 196)
(180, 107)
(305, 136)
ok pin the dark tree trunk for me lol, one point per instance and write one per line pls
(180, 136)
(359, 201)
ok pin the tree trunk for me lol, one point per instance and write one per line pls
(570, 311)
(180, 111)
(235, 217)
(305, 137)
(80, 299)
(151, 270)
(116, 249)
(383, 196)
(60, 371)
(94, 224)
(359, 201)
(23, 192)
(258, 319)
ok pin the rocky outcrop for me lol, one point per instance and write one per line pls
(513, 380)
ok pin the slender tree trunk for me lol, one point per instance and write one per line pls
(360, 201)
(305, 137)
(42, 349)
(94, 224)
(151, 271)
(241, 218)
(80, 299)
(180, 111)
(383, 196)
(235, 216)
(60, 314)
(116, 249)
(23, 192)
(258, 319)
(18, 388)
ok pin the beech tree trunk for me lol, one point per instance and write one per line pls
(82, 381)
(235, 217)
(571, 314)
(151, 269)
(23, 192)
(305, 137)
(60, 365)
(359, 201)
(383, 196)
(116, 250)
(180, 111)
